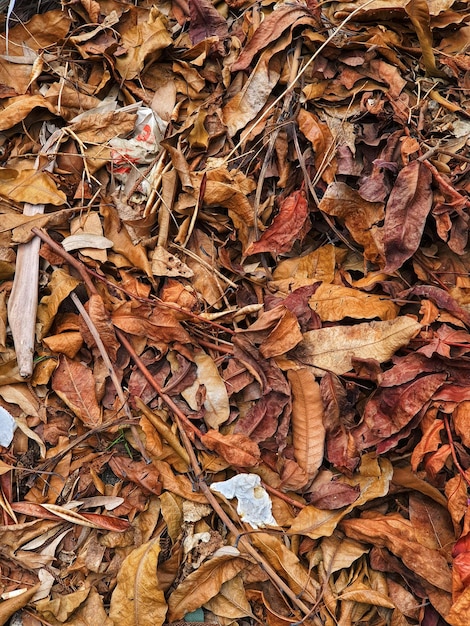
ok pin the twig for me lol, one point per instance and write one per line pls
(112, 372)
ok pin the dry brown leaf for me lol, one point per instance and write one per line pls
(137, 599)
(285, 562)
(122, 242)
(74, 383)
(331, 349)
(308, 431)
(10, 606)
(323, 143)
(238, 450)
(373, 479)
(334, 302)
(360, 217)
(32, 186)
(231, 601)
(216, 403)
(400, 537)
(60, 286)
(144, 39)
(205, 583)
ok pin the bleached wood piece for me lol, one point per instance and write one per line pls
(23, 300)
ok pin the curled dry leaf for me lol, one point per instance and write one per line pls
(280, 236)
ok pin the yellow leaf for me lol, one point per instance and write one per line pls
(335, 302)
(137, 599)
(307, 421)
(34, 187)
(332, 348)
(204, 583)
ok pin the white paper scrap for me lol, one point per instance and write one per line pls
(254, 503)
(7, 427)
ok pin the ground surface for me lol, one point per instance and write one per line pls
(251, 256)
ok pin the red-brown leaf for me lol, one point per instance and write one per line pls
(405, 216)
(286, 227)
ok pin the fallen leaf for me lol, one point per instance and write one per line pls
(331, 349)
(407, 209)
(137, 599)
(286, 227)
(74, 383)
(307, 421)
(205, 583)
(238, 450)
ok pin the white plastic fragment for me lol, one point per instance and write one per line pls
(7, 427)
(254, 504)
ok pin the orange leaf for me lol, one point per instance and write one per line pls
(286, 227)
(238, 450)
(74, 383)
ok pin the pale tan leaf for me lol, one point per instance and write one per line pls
(166, 264)
(216, 403)
(308, 432)
(22, 396)
(331, 349)
(204, 583)
(69, 516)
(137, 599)
(249, 101)
(334, 302)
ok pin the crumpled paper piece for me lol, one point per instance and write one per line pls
(138, 151)
(7, 427)
(254, 504)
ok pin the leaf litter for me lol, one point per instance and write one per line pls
(246, 225)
